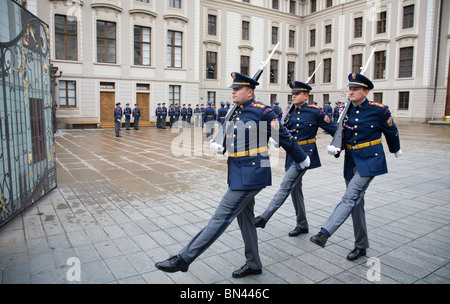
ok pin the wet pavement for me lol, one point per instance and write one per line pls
(124, 203)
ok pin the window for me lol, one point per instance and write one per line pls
(245, 65)
(313, 6)
(378, 97)
(174, 49)
(403, 100)
(406, 62)
(408, 16)
(67, 93)
(174, 94)
(312, 38)
(328, 33)
(290, 71)
(381, 23)
(275, 4)
(106, 41)
(212, 97)
(211, 65)
(274, 35)
(142, 45)
(325, 97)
(273, 97)
(37, 124)
(327, 70)
(292, 5)
(273, 71)
(65, 38)
(291, 38)
(380, 65)
(246, 1)
(245, 30)
(329, 3)
(145, 1)
(311, 69)
(356, 63)
(358, 27)
(212, 24)
(175, 3)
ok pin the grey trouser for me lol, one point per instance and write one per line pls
(291, 184)
(352, 203)
(117, 127)
(234, 204)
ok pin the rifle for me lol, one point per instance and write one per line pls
(287, 114)
(337, 138)
(221, 134)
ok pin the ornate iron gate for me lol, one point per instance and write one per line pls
(27, 155)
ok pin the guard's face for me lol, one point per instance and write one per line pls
(357, 94)
(299, 98)
(242, 94)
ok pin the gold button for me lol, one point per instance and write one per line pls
(371, 126)
(237, 118)
(253, 164)
(356, 119)
(234, 135)
(356, 127)
(298, 125)
(310, 125)
(356, 134)
(240, 112)
(235, 127)
(298, 118)
(354, 141)
(295, 137)
(357, 112)
(298, 112)
(376, 154)
(310, 150)
(297, 131)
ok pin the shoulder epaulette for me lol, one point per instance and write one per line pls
(376, 104)
(313, 106)
(257, 104)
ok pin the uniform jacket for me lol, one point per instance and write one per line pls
(252, 126)
(163, 112)
(209, 114)
(366, 123)
(221, 113)
(127, 113)
(278, 111)
(303, 125)
(117, 113)
(137, 113)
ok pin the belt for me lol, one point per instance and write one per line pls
(248, 152)
(364, 145)
(307, 141)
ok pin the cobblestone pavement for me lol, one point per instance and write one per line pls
(123, 204)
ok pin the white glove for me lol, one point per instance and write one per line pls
(332, 150)
(398, 153)
(304, 164)
(118, 120)
(216, 148)
(273, 143)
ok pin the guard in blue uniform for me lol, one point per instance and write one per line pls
(197, 116)
(248, 172)
(172, 115)
(177, 114)
(127, 114)
(328, 109)
(136, 116)
(221, 113)
(163, 115)
(117, 119)
(189, 115)
(158, 116)
(183, 115)
(276, 108)
(336, 111)
(303, 124)
(364, 124)
(209, 117)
